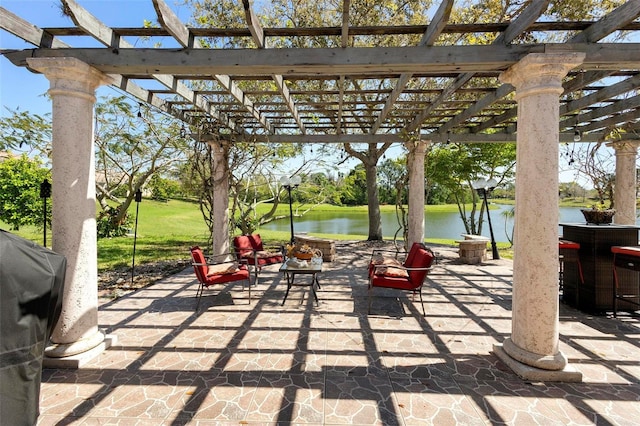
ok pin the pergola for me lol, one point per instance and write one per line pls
(513, 89)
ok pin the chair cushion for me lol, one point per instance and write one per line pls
(223, 268)
(422, 258)
(568, 245)
(198, 257)
(241, 274)
(248, 242)
(626, 250)
(392, 282)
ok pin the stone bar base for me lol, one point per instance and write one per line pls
(472, 251)
(533, 374)
(77, 361)
(327, 247)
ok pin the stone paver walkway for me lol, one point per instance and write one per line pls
(265, 364)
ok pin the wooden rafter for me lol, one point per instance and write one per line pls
(258, 37)
(181, 33)
(517, 27)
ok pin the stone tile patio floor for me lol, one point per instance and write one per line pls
(233, 363)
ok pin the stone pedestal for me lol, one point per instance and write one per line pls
(472, 251)
(327, 247)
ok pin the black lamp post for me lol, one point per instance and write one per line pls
(45, 192)
(288, 183)
(484, 187)
(138, 198)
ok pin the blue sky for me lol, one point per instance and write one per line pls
(20, 88)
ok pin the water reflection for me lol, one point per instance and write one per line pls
(437, 225)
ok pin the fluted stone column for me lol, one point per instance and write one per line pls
(72, 91)
(221, 198)
(625, 189)
(532, 351)
(415, 164)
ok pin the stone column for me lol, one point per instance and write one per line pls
(625, 189)
(415, 164)
(220, 197)
(532, 350)
(72, 91)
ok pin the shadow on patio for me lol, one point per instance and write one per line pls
(235, 363)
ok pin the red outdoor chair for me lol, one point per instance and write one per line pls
(223, 271)
(250, 248)
(390, 272)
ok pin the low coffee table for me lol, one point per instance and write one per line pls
(313, 268)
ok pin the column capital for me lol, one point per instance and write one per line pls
(622, 147)
(70, 76)
(541, 72)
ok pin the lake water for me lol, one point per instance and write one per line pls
(437, 225)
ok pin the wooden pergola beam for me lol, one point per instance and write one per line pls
(350, 61)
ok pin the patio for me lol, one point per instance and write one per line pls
(234, 363)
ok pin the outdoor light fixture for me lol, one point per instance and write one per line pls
(45, 192)
(576, 135)
(138, 198)
(183, 131)
(288, 183)
(139, 109)
(484, 187)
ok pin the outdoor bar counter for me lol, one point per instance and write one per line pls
(596, 295)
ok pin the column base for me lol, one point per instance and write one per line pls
(79, 359)
(534, 374)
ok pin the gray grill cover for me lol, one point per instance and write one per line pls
(31, 284)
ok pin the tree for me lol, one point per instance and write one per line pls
(132, 145)
(390, 172)
(369, 159)
(598, 166)
(20, 202)
(22, 130)
(354, 187)
(455, 166)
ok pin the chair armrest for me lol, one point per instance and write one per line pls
(221, 258)
(274, 248)
(404, 268)
(418, 269)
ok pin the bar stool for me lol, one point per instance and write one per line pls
(626, 257)
(568, 252)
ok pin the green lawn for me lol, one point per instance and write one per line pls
(166, 230)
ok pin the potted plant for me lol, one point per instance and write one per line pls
(598, 214)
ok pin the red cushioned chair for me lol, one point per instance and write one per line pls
(210, 272)
(409, 276)
(250, 248)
